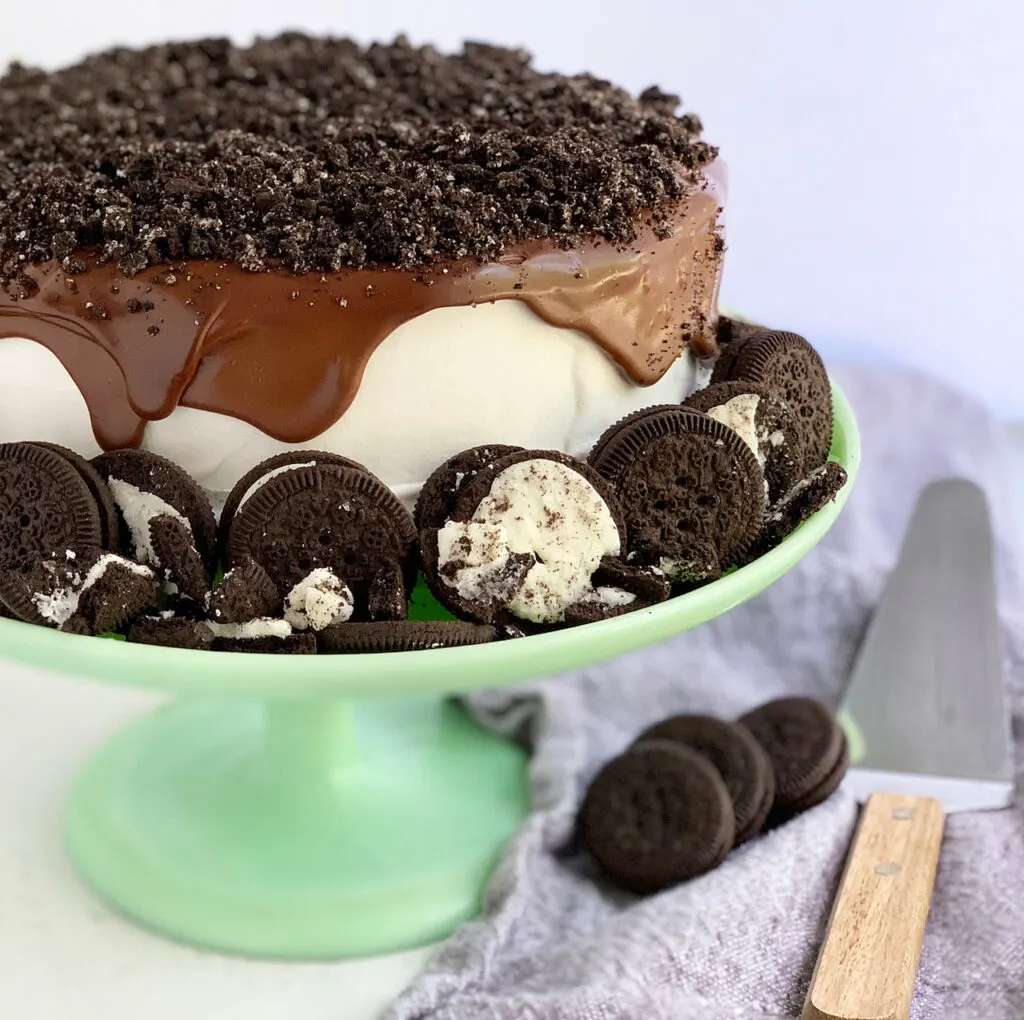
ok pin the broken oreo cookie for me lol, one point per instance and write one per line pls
(764, 422)
(170, 632)
(87, 590)
(330, 516)
(144, 486)
(692, 490)
(246, 592)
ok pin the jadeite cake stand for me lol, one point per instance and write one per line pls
(323, 807)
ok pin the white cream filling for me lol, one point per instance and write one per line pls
(607, 596)
(483, 552)
(251, 629)
(551, 512)
(61, 604)
(321, 599)
(138, 508)
(738, 414)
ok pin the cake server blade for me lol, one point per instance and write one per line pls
(929, 732)
(925, 711)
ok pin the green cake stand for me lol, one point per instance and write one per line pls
(325, 807)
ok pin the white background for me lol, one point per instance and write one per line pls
(877, 195)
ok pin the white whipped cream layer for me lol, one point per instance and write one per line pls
(441, 383)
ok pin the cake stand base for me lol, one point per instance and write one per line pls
(298, 830)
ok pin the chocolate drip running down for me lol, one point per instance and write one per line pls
(286, 353)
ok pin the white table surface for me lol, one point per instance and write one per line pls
(65, 956)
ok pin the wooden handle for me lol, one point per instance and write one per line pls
(867, 967)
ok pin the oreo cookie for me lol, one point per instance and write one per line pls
(109, 539)
(820, 793)
(440, 491)
(763, 422)
(46, 507)
(170, 632)
(689, 486)
(805, 745)
(789, 366)
(325, 516)
(175, 552)
(804, 500)
(246, 592)
(657, 815)
(738, 757)
(271, 468)
(255, 643)
(526, 537)
(85, 590)
(386, 598)
(145, 485)
(613, 429)
(402, 636)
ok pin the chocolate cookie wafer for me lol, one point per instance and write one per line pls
(764, 422)
(656, 815)
(402, 636)
(804, 743)
(738, 757)
(46, 507)
(787, 364)
(687, 484)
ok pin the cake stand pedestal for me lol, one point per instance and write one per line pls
(298, 829)
(316, 807)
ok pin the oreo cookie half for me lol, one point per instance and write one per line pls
(98, 487)
(789, 366)
(527, 535)
(657, 815)
(46, 507)
(271, 468)
(402, 636)
(325, 516)
(689, 486)
(738, 757)
(145, 485)
(803, 742)
(763, 422)
(440, 491)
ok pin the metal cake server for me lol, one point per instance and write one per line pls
(929, 732)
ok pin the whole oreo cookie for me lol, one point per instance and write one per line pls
(402, 636)
(98, 487)
(440, 492)
(326, 516)
(687, 484)
(738, 757)
(804, 500)
(526, 537)
(46, 507)
(764, 422)
(145, 485)
(657, 815)
(789, 366)
(805, 745)
(271, 468)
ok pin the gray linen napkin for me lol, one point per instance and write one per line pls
(553, 944)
